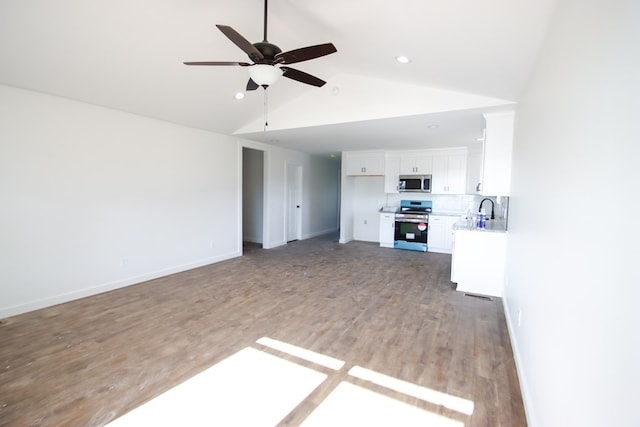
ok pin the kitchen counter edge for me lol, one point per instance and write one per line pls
(493, 226)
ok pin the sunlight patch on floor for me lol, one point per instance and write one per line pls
(249, 388)
(352, 405)
(302, 353)
(458, 404)
(255, 388)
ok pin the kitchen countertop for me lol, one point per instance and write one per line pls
(493, 226)
(447, 213)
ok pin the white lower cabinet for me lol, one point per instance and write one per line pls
(387, 229)
(478, 262)
(440, 237)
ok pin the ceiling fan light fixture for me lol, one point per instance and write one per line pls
(264, 74)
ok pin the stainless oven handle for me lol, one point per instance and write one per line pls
(413, 221)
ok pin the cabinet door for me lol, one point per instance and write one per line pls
(474, 170)
(448, 241)
(424, 164)
(437, 233)
(457, 174)
(354, 166)
(439, 175)
(496, 179)
(364, 164)
(449, 174)
(416, 164)
(387, 229)
(375, 165)
(391, 174)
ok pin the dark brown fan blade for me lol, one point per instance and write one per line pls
(251, 85)
(305, 53)
(302, 77)
(254, 54)
(242, 64)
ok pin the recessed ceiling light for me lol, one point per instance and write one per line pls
(402, 59)
(239, 95)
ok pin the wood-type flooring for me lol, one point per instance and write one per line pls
(89, 361)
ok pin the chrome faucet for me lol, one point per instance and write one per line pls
(493, 216)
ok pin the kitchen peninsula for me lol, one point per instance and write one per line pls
(478, 257)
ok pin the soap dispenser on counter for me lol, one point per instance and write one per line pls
(481, 221)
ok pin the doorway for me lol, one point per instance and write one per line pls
(252, 197)
(294, 202)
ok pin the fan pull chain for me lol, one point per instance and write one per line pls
(266, 99)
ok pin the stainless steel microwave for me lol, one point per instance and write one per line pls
(415, 183)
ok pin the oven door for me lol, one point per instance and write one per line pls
(411, 234)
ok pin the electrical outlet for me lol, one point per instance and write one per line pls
(212, 244)
(365, 222)
(519, 317)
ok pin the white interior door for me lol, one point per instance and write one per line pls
(294, 200)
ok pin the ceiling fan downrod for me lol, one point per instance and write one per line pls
(264, 38)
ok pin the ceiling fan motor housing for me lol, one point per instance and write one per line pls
(269, 52)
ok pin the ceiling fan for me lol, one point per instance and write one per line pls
(267, 59)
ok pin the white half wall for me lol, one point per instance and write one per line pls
(572, 291)
(93, 199)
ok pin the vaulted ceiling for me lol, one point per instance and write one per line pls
(466, 57)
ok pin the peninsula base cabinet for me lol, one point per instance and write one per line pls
(478, 262)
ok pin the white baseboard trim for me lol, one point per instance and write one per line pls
(522, 378)
(106, 287)
(319, 233)
(274, 245)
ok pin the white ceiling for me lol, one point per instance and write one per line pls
(467, 57)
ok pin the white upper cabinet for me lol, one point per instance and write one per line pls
(498, 146)
(391, 172)
(416, 163)
(363, 163)
(474, 169)
(449, 175)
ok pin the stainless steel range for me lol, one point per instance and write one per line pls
(412, 225)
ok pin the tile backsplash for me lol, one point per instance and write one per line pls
(445, 203)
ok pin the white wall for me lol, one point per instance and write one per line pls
(320, 193)
(323, 192)
(573, 224)
(93, 199)
(252, 195)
